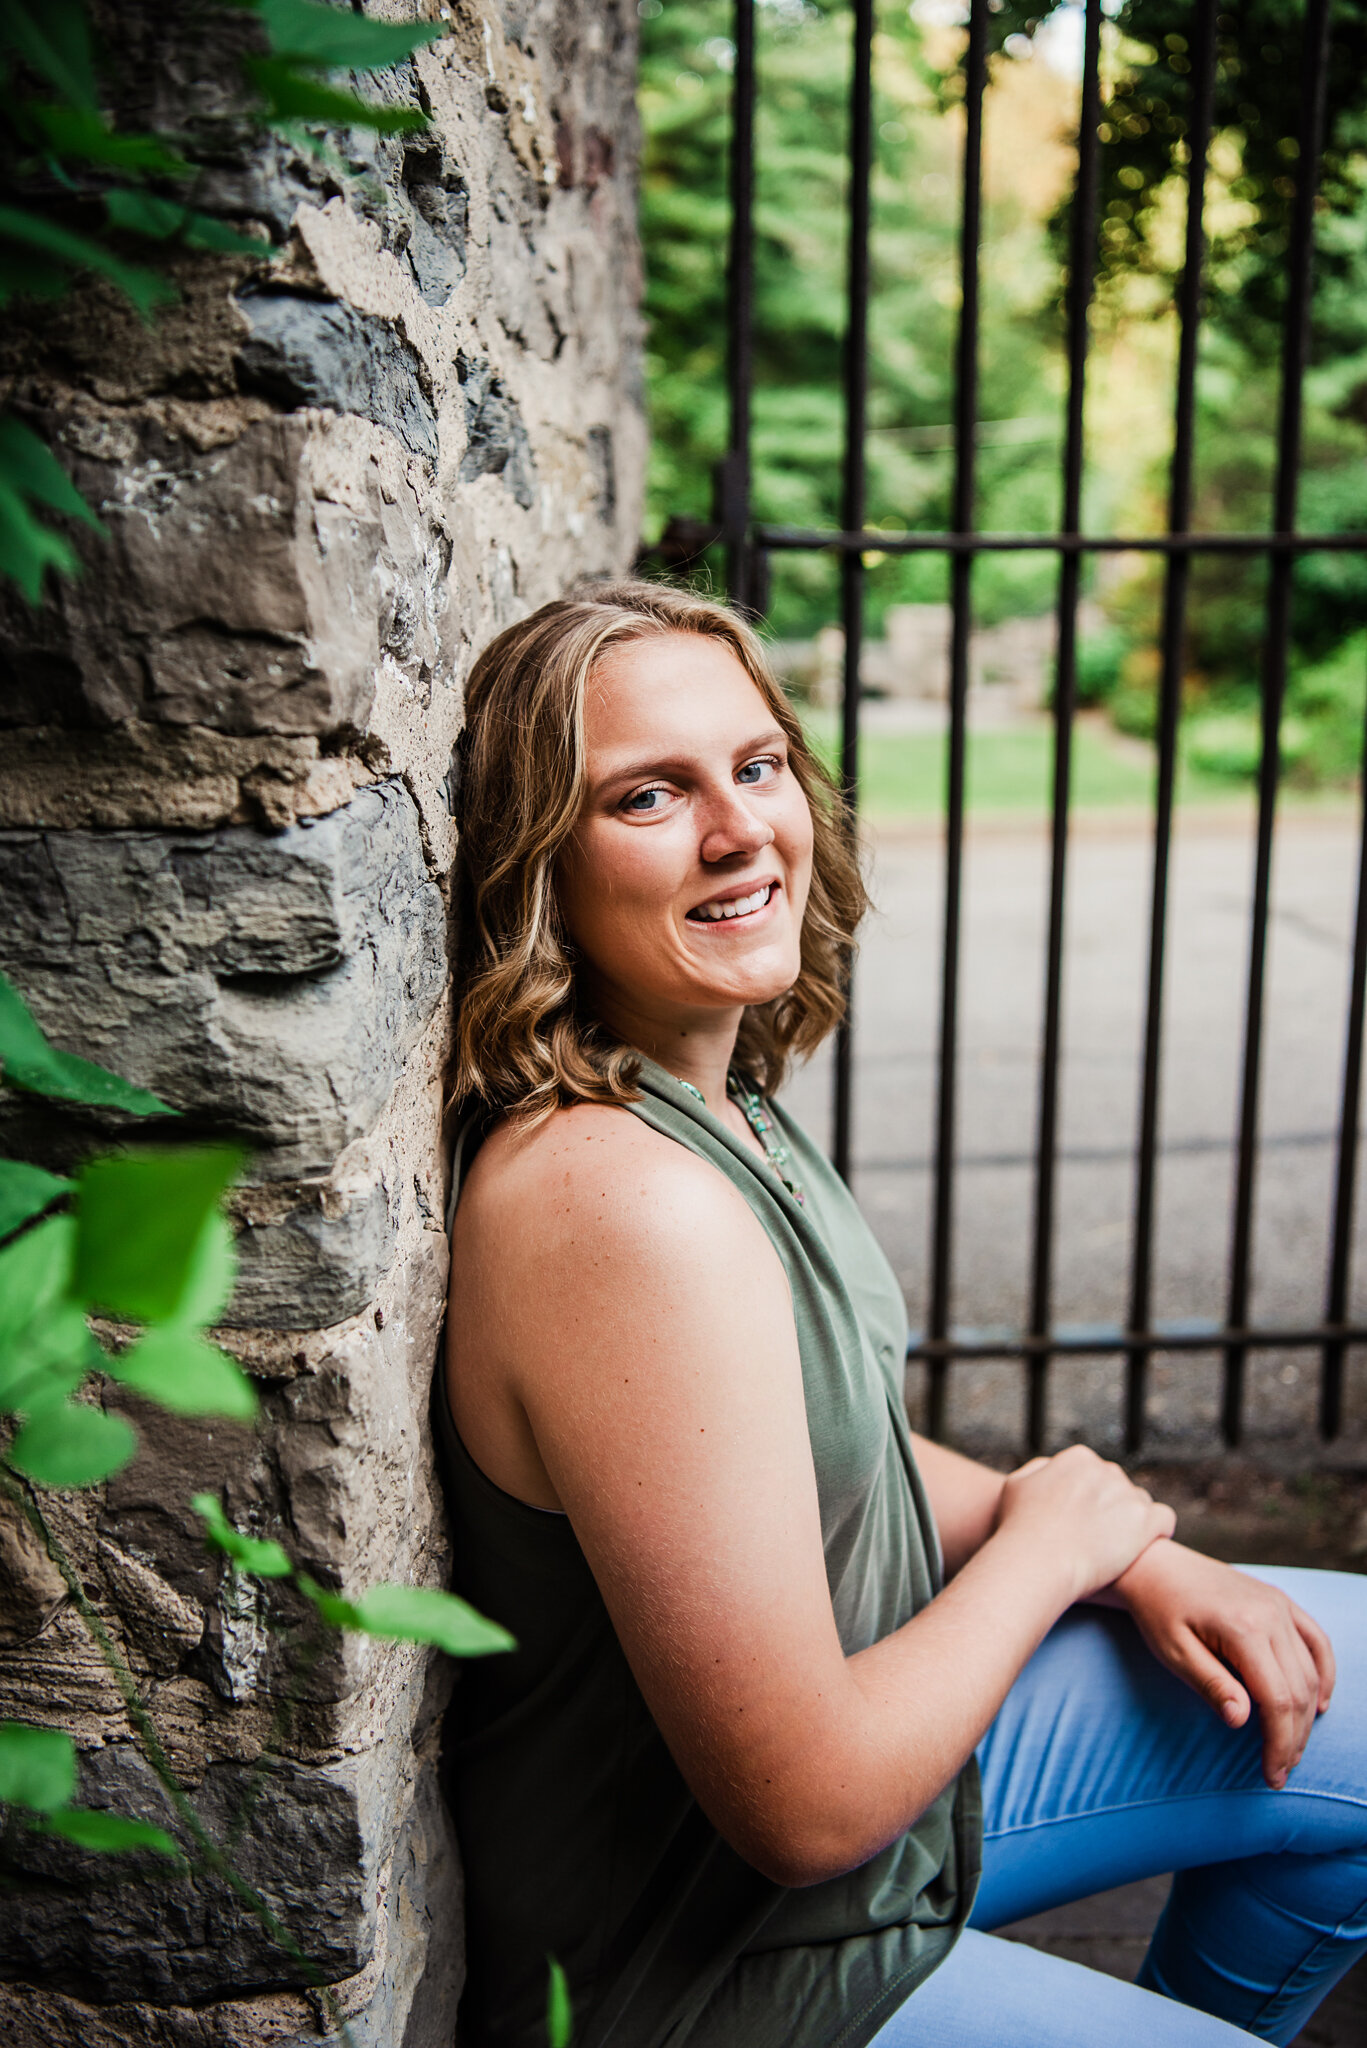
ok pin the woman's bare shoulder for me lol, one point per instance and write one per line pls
(594, 1262)
(593, 1164)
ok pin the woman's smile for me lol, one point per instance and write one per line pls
(736, 909)
(685, 883)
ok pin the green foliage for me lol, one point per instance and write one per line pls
(143, 1241)
(559, 2012)
(1100, 662)
(60, 217)
(38, 1776)
(289, 97)
(404, 1614)
(142, 1237)
(803, 54)
(30, 475)
(174, 1367)
(249, 1554)
(108, 1832)
(25, 1191)
(37, 1767)
(1257, 119)
(161, 220)
(1322, 729)
(81, 135)
(800, 282)
(67, 1443)
(43, 256)
(28, 1061)
(1250, 192)
(322, 38)
(413, 1614)
(53, 43)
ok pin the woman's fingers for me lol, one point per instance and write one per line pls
(1285, 1700)
(1298, 1667)
(1321, 1651)
(1188, 1656)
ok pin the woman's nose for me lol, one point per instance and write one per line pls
(734, 826)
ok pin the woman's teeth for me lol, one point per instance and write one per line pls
(739, 906)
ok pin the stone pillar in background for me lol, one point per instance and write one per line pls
(224, 871)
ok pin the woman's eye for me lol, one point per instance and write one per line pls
(761, 770)
(643, 802)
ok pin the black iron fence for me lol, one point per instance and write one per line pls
(750, 545)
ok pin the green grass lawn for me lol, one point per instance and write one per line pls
(902, 775)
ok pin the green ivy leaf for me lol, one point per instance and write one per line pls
(140, 1218)
(179, 1371)
(107, 1832)
(26, 275)
(142, 287)
(211, 1276)
(289, 96)
(204, 231)
(81, 133)
(70, 1444)
(414, 1614)
(49, 1361)
(28, 549)
(333, 41)
(25, 1191)
(264, 1560)
(36, 1388)
(54, 41)
(143, 213)
(559, 2013)
(37, 1767)
(335, 1611)
(34, 1272)
(30, 1062)
(29, 465)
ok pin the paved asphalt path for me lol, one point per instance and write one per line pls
(1005, 907)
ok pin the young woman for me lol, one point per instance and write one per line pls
(801, 1704)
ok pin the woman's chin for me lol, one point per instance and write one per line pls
(749, 985)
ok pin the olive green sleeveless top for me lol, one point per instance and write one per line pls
(580, 1838)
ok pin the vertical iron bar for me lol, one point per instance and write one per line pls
(1081, 263)
(853, 494)
(734, 480)
(961, 576)
(1295, 354)
(1170, 699)
(1345, 1179)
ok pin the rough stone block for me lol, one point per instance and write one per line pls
(313, 1265)
(267, 985)
(404, 1997)
(311, 352)
(227, 594)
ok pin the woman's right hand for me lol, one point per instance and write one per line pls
(1085, 1515)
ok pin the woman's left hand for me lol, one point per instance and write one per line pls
(1237, 1642)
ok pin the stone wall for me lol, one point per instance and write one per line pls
(224, 865)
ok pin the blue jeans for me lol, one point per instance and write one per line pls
(1103, 1768)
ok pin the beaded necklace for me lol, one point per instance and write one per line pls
(776, 1152)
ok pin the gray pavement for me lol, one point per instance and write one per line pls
(1005, 909)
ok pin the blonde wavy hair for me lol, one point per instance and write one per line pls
(523, 1044)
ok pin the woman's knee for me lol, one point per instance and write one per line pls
(991, 1993)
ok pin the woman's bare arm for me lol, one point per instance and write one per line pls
(640, 1318)
(1237, 1642)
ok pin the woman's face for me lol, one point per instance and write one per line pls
(686, 879)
